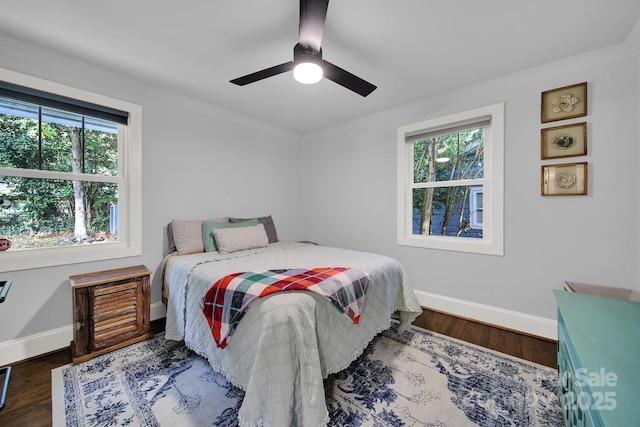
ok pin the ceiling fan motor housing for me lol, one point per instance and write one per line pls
(306, 54)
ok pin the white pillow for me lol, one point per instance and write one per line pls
(237, 239)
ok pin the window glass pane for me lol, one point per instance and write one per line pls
(453, 156)
(101, 152)
(68, 147)
(430, 164)
(42, 213)
(62, 141)
(57, 143)
(443, 211)
(18, 137)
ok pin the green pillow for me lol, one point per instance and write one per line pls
(209, 240)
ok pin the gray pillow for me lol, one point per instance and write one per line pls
(269, 226)
(208, 227)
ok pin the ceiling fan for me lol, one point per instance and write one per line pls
(308, 65)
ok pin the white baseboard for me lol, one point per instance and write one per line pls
(34, 345)
(522, 322)
(55, 339)
(37, 344)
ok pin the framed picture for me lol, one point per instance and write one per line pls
(568, 179)
(564, 103)
(563, 141)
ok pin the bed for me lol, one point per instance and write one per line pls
(287, 343)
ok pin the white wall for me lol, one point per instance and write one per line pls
(548, 240)
(198, 162)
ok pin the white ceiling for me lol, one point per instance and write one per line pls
(410, 49)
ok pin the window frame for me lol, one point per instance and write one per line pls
(492, 241)
(129, 181)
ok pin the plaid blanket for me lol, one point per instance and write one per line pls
(229, 298)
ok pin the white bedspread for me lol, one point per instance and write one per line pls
(287, 343)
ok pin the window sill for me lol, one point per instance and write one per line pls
(14, 260)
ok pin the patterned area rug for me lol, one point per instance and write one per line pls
(417, 378)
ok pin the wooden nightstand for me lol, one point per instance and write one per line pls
(111, 309)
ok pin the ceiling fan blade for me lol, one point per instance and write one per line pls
(313, 14)
(346, 79)
(263, 74)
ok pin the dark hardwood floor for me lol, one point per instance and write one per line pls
(528, 347)
(29, 395)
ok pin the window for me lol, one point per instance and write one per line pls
(70, 178)
(450, 182)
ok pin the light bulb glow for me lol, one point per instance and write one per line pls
(307, 73)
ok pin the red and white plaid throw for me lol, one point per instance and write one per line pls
(227, 301)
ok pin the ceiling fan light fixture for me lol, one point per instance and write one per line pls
(307, 73)
(307, 64)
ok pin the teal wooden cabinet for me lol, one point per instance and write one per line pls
(598, 360)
